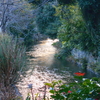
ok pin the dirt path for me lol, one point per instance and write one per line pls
(42, 56)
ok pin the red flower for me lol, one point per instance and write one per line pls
(79, 74)
(69, 91)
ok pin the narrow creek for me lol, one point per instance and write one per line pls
(44, 67)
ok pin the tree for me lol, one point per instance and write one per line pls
(15, 14)
(17, 18)
(46, 21)
(91, 14)
(4, 5)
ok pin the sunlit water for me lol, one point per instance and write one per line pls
(44, 67)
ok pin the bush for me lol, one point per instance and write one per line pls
(90, 10)
(12, 59)
(79, 89)
(72, 28)
(86, 25)
(82, 89)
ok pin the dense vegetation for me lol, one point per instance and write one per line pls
(46, 21)
(12, 63)
(76, 23)
(81, 89)
(88, 23)
(80, 29)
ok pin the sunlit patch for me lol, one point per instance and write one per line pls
(56, 40)
(42, 56)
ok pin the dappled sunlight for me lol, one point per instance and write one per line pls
(44, 52)
(42, 57)
(37, 79)
(44, 67)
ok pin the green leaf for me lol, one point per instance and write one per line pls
(79, 77)
(28, 98)
(49, 84)
(95, 79)
(52, 91)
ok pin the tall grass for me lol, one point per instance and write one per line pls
(12, 59)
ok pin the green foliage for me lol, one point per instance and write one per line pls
(80, 25)
(87, 44)
(46, 21)
(82, 89)
(26, 34)
(12, 59)
(91, 14)
(21, 22)
(63, 53)
(90, 10)
(66, 1)
(72, 28)
(79, 89)
(52, 28)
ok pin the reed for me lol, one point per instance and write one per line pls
(12, 60)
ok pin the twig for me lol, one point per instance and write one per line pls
(44, 92)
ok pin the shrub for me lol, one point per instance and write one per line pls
(72, 27)
(79, 89)
(12, 59)
(86, 25)
(82, 89)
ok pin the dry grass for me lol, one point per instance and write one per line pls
(12, 62)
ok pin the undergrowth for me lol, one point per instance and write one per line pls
(12, 62)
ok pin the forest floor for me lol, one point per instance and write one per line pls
(41, 56)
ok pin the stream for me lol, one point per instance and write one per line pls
(44, 67)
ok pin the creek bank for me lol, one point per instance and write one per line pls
(85, 60)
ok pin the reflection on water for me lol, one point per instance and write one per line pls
(43, 55)
(44, 67)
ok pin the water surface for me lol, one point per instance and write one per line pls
(44, 67)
